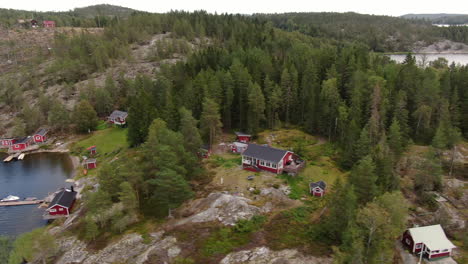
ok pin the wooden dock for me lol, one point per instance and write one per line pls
(24, 202)
(14, 156)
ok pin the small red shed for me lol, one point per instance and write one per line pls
(21, 144)
(40, 135)
(431, 240)
(61, 205)
(205, 152)
(243, 137)
(7, 142)
(92, 150)
(90, 164)
(48, 23)
(317, 188)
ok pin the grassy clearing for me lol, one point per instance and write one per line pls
(107, 141)
(291, 229)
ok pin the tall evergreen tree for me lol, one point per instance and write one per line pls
(210, 120)
(256, 103)
(364, 179)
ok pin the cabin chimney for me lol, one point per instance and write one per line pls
(71, 188)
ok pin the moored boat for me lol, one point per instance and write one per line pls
(10, 198)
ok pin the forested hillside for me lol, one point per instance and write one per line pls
(450, 19)
(313, 72)
(380, 33)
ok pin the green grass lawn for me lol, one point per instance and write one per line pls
(107, 141)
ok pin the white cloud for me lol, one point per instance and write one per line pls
(395, 7)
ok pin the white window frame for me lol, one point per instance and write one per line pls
(444, 250)
(274, 166)
(262, 163)
(418, 246)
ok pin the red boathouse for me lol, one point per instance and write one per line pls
(431, 240)
(40, 136)
(21, 144)
(7, 142)
(91, 164)
(243, 137)
(317, 188)
(257, 157)
(61, 205)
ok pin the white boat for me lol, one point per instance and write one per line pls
(10, 198)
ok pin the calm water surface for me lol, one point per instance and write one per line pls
(457, 58)
(35, 176)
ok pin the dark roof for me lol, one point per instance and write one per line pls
(242, 134)
(90, 161)
(41, 132)
(118, 113)
(320, 184)
(64, 198)
(23, 140)
(264, 153)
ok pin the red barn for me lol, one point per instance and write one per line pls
(40, 136)
(21, 144)
(257, 157)
(118, 117)
(243, 137)
(431, 240)
(92, 150)
(61, 205)
(48, 23)
(91, 164)
(317, 188)
(7, 142)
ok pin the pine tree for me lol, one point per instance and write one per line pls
(363, 146)
(364, 179)
(228, 90)
(189, 130)
(256, 103)
(210, 120)
(395, 139)
(85, 117)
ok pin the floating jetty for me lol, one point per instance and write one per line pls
(21, 156)
(14, 156)
(27, 201)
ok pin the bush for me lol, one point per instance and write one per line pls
(247, 226)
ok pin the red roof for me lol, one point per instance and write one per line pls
(90, 148)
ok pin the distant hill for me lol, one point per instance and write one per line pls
(103, 10)
(451, 19)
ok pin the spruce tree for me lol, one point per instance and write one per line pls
(256, 103)
(210, 120)
(364, 179)
(189, 130)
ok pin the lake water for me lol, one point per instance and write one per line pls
(451, 57)
(35, 176)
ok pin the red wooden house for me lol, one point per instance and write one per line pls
(91, 164)
(40, 136)
(92, 150)
(7, 142)
(430, 240)
(243, 137)
(257, 157)
(118, 117)
(21, 144)
(48, 23)
(61, 205)
(317, 188)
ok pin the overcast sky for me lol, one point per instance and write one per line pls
(388, 7)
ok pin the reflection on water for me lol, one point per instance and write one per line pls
(35, 176)
(461, 59)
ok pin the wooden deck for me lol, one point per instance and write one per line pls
(24, 202)
(12, 157)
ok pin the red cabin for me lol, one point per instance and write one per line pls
(257, 157)
(7, 142)
(317, 188)
(204, 152)
(91, 164)
(242, 137)
(40, 136)
(431, 240)
(92, 150)
(48, 23)
(21, 144)
(118, 118)
(61, 205)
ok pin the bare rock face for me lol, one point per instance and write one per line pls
(225, 208)
(264, 255)
(130, 249)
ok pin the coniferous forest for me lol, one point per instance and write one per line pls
(260, 72)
